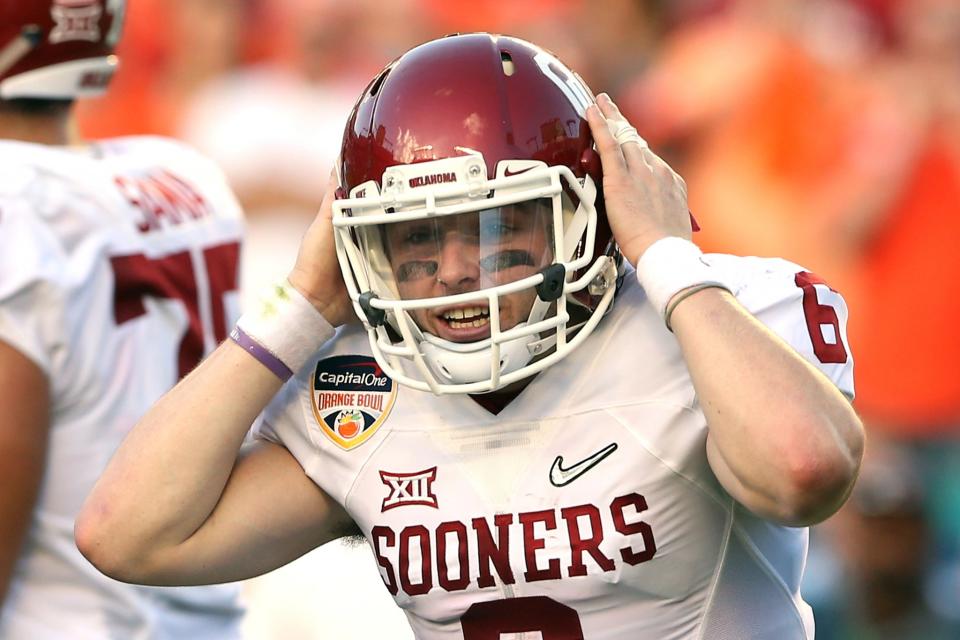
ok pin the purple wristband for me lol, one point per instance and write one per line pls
(258, 351)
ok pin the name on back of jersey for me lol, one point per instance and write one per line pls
(163, 198)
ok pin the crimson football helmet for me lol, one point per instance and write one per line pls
(58, 49)
(468, 224)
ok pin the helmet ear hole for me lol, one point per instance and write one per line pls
(507, 60)
(375, 86)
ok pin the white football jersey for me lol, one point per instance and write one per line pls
(585, 509)
(118, 273)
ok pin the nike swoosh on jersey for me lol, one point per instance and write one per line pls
(560, 476)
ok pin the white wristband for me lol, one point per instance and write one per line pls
(286, 325)
(669, 266)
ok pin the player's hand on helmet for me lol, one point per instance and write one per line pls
(645, 199)
(316, 273)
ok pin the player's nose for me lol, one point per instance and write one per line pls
(459, 262)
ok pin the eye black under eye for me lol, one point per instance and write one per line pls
(416, 269)
(506, 259)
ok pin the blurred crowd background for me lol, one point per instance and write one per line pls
(826, 132)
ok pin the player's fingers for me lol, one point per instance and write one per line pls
(659, 166)
(611, 156)
(329, 195)
(633, 147)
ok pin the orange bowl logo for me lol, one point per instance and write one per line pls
(349, 424)
(352, 396)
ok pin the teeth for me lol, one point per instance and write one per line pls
(462, 324)
(467, 313)
(467, 317)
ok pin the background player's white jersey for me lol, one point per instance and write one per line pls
(586, 508)
(118, 272)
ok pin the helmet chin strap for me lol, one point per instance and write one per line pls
(453, 365)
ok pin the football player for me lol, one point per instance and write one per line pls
(532, 436)
(118, 265)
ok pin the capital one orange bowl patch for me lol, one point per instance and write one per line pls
(352, 396)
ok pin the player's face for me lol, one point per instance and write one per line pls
(468, 252)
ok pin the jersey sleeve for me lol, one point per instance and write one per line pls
(798, 306)
(32, 280)
(282, 422)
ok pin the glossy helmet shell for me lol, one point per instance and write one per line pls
(472, 92)
(57, 49)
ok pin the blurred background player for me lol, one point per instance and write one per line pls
(118, 272)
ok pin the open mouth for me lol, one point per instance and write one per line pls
(467, 317)
(463, 324)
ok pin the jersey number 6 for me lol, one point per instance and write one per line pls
(819, 315)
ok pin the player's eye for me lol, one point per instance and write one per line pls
(494, 226)
(420, 235)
